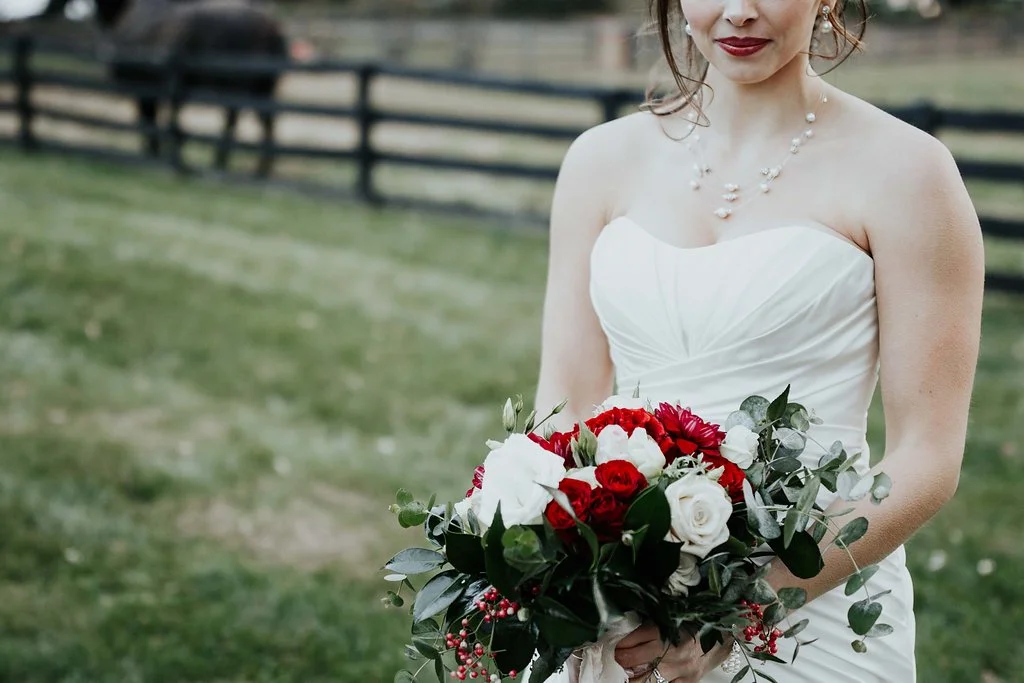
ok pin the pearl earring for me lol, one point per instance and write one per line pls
(826, 24)
(688, 30)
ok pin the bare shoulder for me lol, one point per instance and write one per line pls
(915, 188)
(599, 164)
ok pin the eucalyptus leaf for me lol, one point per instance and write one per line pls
(845, 484)
(859, 646)
(790, 527)
(881, 487)
(760, 592)
(404, 676)
(798, 417)
(879, 631)
(796, 628)
(756, 407)
(415, 561)
(785, 465)
(790, 439)
(863, 615)
(403, 497)
(852, 531)
(413, 515)
(802, 557)
(857, 581)
(760, 520)
(775, 613)
(805, 503)
(739, 417)
(792, 598)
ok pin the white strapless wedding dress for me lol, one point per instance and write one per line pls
(709, 326)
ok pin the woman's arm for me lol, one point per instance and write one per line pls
(929, 272)
(575, 364)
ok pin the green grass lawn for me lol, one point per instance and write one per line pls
(208, 396)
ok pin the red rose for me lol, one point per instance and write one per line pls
(607, 515)
(478, 480)
(560, 443)
(622, 478)
(688, 433)
(731, 479)
(579, 494)
(630, 420)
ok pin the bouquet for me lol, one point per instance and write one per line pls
(568, 540)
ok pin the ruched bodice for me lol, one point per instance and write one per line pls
(709, 326)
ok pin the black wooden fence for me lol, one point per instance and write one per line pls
(29, 69)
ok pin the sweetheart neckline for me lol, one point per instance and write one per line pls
(741, 238)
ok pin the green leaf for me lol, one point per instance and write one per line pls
(549, 660)
(775, 613)
(805, 503)
(465, 552)
(802, 557)
(650, 509)
(791, 440)
(740, 417)
(760, 520)
(439, 671)
(502, 576)
(413, 515)
(741, 674)
(792, 598)
(777, 408)
(796, 628)
(415, 561)
(785, 465)
(522, 549)
(404, 676)
(760, 592)
(605, 610)
(852, 531)
(394, 599)
(857, 581)
(715, 578)
(880, 631)
(435, 596)
(559, 627)
(834, 457)
(404, 498)
(791, 526)
(756, 407)
(513, 645)
(863, 615)
(798, 417)
(859, 646)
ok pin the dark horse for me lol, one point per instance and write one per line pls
(192, 29)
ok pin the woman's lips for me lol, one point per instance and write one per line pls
(742, 47)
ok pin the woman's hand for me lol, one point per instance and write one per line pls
(638, 653)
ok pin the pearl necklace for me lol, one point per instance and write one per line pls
(769, 174)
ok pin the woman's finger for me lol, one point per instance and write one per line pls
(641, 657)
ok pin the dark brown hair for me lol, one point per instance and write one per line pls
(689, 78)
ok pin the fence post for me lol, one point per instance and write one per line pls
(611, 103)
(23, 84)
(926, 116)
(174, 89)
(365, 119)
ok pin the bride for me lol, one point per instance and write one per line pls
(759, 229)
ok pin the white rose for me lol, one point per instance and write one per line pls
(587, 474)
(619, 401)
(684, 578)
(639, 449)
(700, 513)
(740, 446)
(513, 475)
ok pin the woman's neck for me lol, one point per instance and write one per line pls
(740, 113)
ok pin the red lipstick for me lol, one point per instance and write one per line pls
(742, 47)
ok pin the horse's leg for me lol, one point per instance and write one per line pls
(227, 138)
(147, 108)
(266, 161)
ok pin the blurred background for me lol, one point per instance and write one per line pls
(262, 264)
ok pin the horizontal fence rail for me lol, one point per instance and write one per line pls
(32, 65)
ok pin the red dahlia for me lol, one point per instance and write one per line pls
(478, 480)
(688, 433)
